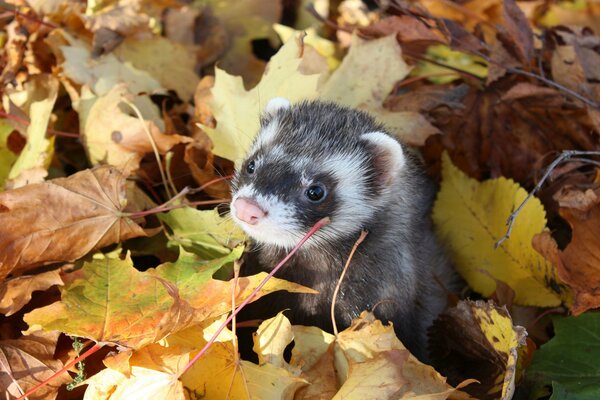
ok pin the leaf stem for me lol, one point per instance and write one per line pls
(252, 295)
(363, 235)
(92, 350)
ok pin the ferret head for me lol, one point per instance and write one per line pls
(309, 161)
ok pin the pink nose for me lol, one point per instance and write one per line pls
(248, 211)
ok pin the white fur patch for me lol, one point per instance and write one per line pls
(276, 104)
(265, 136)
(279, 227)
(354, 208)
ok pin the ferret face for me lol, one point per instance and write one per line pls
(311, 161)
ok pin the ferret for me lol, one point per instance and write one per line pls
(317, 159)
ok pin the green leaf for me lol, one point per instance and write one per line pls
(203, 233)
(570, 360)
(7, 157)
(108, 300)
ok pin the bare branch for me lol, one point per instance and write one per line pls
(564, 156)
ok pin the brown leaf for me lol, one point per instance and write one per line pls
(16, 292)
(477, 340)
(62, 219)
(201, 163)
(578, 265)
(516, 34)
(407, 29)
(27, 361)
(508, 129)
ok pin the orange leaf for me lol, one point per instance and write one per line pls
(63, 219)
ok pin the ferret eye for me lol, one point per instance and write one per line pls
(315, 193)
(250, 167)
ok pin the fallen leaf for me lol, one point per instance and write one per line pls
(41, 93)
(477, 340)
(324, 47)
(578, 265)
(112, 136)
(220, 374)
(170, 63)
(62, 219)
(380, 65)
(379, 377)
(569, 361)
(515, 32)
(7, 157)
(28, 361)
(16, 292)
(271, 339)
(368, 339)
(237, 110)
(470, 217)
(204, 233)
(144, 383)
(112, 302)
(212, 298)
(245, 21)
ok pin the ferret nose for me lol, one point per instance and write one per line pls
(248, 211)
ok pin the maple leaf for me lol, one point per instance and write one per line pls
(16, 292)
(209, 297)
(470, 218)
(237, 110)
(168, 62)
(112, 302)
(62, 219)
(237, 379)
(204, 233)
(244, 21)
(490, 348)
(114, 137)
(151, 373)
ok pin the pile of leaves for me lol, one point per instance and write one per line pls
(122, 121)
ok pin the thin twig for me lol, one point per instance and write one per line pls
(564, 156)
(138, 114)
(254, 293)
(363, 235)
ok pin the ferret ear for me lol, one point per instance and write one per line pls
(276, 104)
(388, 155)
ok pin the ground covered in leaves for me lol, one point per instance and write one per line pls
(122, 121)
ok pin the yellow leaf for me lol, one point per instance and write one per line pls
(7, 157)
(324, 47)
(42, 91)
(370, 359)
(171, 63)
(218, 374)
(443, 54)
(237, 110)
(470, 217)
(112, 136)
(271, 339)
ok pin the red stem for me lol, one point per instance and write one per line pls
(252, 295)
(83, 356)
(157, 210)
